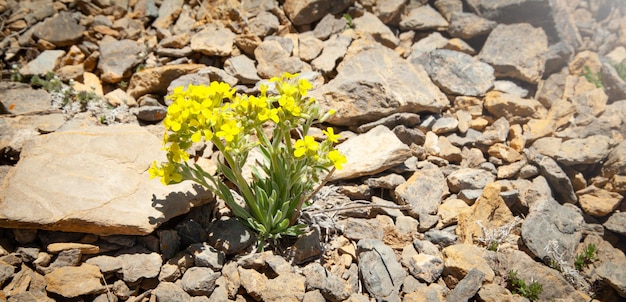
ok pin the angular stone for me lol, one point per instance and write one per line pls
(138, 266)
(168, 12)
(117, 58)
(375, 83)
(45, 62)
(273, 60)
(306, 12)
(107, 264)
(21, 99)
(310, 46)
(333, 50)
(72, 281)
(380, 271)
(547, 220)
(357, 229)
(616, 223)
(168, 291)
(371, 153)
(517, 51)
(86, 249)
(467, 26)
(264, 24)
(490, 209)
(424, 191)
(424, 267)
(199, 281)
(598, 202)
(157, 80)
(423, 17)
(614, 275)
(559, 181)
(468, 287)
(615, 163)
(332, 287)
(213, 41)
(80, 171)
(370, 25)
(512, 107)
(230, 236)
(242, 68)
(285, 287)
(469, 178)
(460, 259)
(461, 74)
(60, 30)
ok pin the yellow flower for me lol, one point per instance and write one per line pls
(337, 159)
(308, 146)
(330, 135)
(267, 113)
(228, 131)
(177, 154)
(167, 173)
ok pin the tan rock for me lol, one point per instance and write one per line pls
(513, 107)
(459, 259)
(156, 80)
(71, 281)
(490, 209)
(449, 211)
(504, 152)
(585, 58)
(517, 141)
(598, 202)
(371, 153)
(85, 249)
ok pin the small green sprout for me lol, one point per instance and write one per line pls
(519, 286)
(587, 257)
(349, 20)
(593, 78)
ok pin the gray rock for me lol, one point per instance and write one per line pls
(264, 24)
(370, 25)
(424, 191)
(151, 113)
(467, 26)
(168, 12)
(191, 231)
(88, 197)
(213, 41)
(170, 292)
(18, 98)
(328, 26)
(230, 236)
(70, 257)
(371, 153)
(616, 223)
(60, 30)
(444, 125)
(357, 229)
(448, 7)
(441, 237)
(206, 256)
(117, 58)
(389, 181)
(615, 86)
(424, 267)
(495, 133)
(469, 178)
(591, 150)
(461, 74)
(6, 271)
(614, 275)
(333, 50)
(380, 271)
(330, 285)
(554, 285)
(375, 83)
(404, 118)
(242, 68)
(107, 264)
(423, 18)
(409, 136)
(426, 45)
(516, 51)
(285, 287)
(615, 163)
(467, 287)
(199, 281)
(557, 178)
(308, 247)
(310, 46)
(547, 220)
(139, 266)
(273, 59)
(389, 11)
(44, 63)
(514, 11)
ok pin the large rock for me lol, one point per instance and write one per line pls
(375, 83)
(60, 30)
(117, 58)
(380, 270)
(370, 153)
(213, 41)
(423, 191)
(157, 80)
(71, 282)
(93, 180)
(456, 72)
(306, 11)
(516, 51)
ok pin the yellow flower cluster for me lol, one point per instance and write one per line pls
(217, 114)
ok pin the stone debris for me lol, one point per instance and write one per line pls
(482, 137)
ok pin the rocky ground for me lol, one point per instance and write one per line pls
(483, 138)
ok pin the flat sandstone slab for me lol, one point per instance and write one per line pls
(93, 180)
